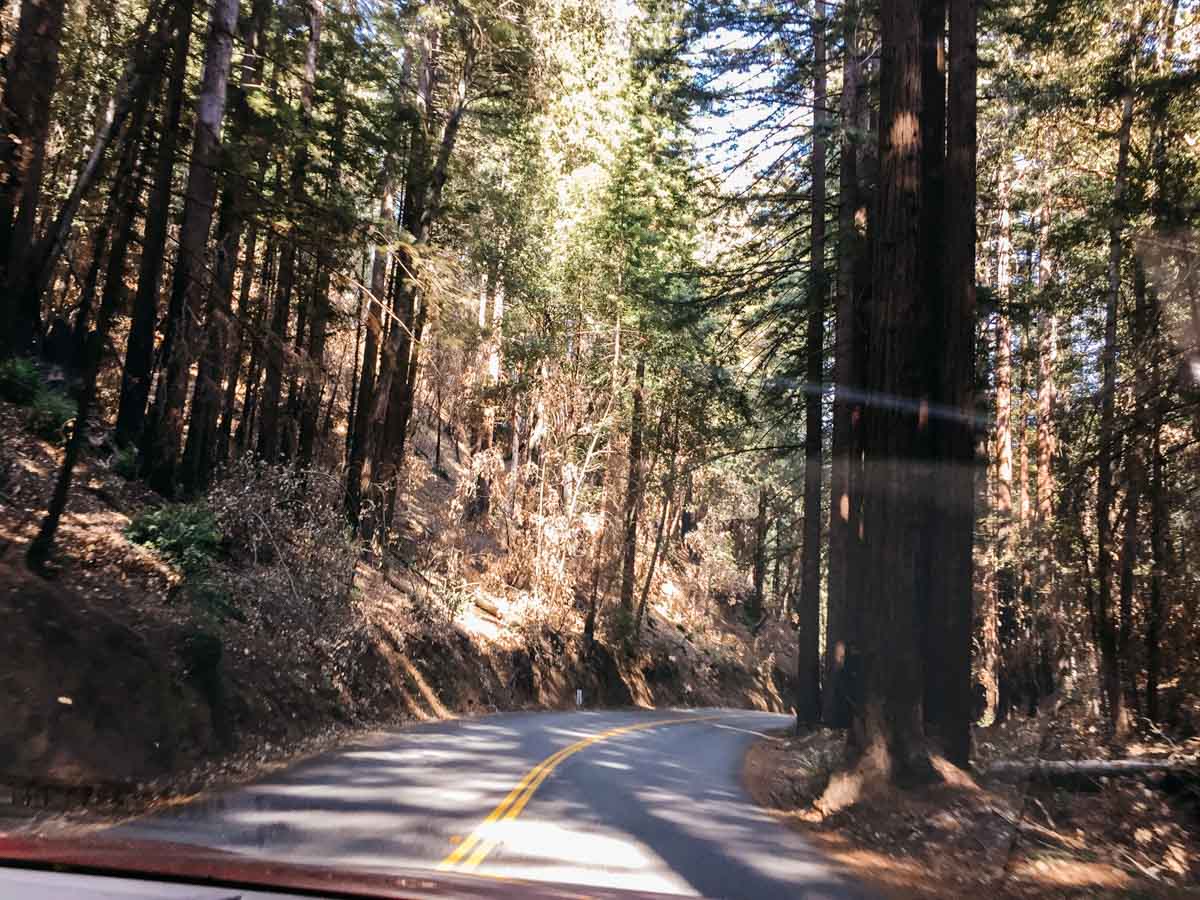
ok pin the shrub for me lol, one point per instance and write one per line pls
(19, 380)
(49, 414)
(291, 519)
(185, 533)
(125, 463)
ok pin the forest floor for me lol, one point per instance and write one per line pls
(121, 691)
(1110, 837)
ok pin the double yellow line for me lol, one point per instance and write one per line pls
(471, 852)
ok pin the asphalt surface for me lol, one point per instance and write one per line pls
(647, 800)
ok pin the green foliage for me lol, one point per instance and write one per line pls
(622, 623)
(185, 533)
(50, 412)
(19, 380)
(125, 463)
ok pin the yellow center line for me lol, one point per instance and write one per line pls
(482, 840)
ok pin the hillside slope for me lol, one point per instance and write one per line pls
(129, 671)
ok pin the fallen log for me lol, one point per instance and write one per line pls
(487, 606)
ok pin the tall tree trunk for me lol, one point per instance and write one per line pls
(808, 690)
(1005, 602)
(633, 490)
(423, 205)
(929, 270)
(189, 278)
(1156, 610)
(269, 441)
(1050, 616)
(360, 451)
(952, 534)
(139, 347)
(886, 734)
(229, 402)
(131, 96)
(1110, 661)
(200, 453)
(667, 502)
(762, 527)
(844, 499)
(1135, 474)
(124, 195)
(32, 75)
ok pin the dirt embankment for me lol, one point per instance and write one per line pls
(127, 677)
(105, 703)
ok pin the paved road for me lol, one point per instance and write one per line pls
(649, 800)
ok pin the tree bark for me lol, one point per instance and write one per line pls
(762, 528)
(201, 450)
(124, 194)
(886, 735)
(633, 490)
(28, 283)
(189, 277)
(951, 570)
(32, 75)
(1005, 602)
(808, 691)
(1106, 630)
(845, 498)
(270, 447)
(1043, 530)
(139, 347)
(360, 451)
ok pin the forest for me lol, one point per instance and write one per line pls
(864, 338)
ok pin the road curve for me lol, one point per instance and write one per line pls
(648, 800)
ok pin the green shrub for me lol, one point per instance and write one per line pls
(49, 414)
(125, 463)
(185, 533)
(19, 380)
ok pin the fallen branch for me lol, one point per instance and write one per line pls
(488, 607)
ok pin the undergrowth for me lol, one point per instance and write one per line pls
(189, 535)
(50, 412)
(19, 380)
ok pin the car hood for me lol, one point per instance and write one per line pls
(164, 861)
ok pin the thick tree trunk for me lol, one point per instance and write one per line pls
(948, 564)
(929, 269)
(138, 368)
(32, 74)
(808, 695)
(189, 277)
(887, 735)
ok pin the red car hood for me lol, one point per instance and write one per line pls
(162, 861)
